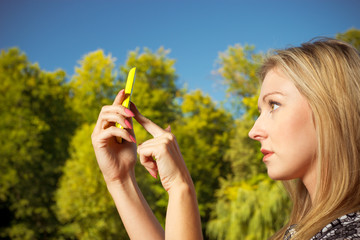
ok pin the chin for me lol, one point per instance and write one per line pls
(278, 176)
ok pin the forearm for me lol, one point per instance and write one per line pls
(183, 218)
(136, 215)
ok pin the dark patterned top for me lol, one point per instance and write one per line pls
(343, 228)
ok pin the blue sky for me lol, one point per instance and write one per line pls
(57, 34)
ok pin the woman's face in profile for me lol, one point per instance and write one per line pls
(285, 129)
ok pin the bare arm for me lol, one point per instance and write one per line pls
(135, 213)
(182, 218)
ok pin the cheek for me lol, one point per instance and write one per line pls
(298, 136)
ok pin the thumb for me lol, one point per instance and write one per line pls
(148, 125)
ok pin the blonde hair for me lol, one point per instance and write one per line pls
(327, 73)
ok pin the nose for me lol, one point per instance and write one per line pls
(258, 132)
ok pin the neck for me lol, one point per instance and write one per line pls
(309, 181)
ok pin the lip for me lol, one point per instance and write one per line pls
(267, 154)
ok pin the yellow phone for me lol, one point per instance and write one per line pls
(128, 92)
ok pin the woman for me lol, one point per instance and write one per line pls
(310, 137)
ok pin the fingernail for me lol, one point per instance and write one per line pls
(121, 91)
(127, 111)
(168, 128)
(132, 139)
(128, 124)
(154, 175)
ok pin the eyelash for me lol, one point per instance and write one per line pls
(272, 103)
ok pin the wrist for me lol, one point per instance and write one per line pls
(121, 184)
(182, 186)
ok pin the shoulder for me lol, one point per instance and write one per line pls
(345, 227)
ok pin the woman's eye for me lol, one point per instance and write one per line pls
(274, 106)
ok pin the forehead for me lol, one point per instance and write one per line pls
(276, 81)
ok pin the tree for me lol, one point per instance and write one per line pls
(251, 209)
(203, 134)
(36, 124)
(155, 89)
(351, 36)
(93, 85)
(238, 66)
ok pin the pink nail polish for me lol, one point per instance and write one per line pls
(128, 124)
(121, 91)
(154, 175)
(129, 112)
(132, 139)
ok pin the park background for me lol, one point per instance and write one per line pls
(61, 61)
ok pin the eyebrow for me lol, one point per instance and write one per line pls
(268, 94)
(271, 93)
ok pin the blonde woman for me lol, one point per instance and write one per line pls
(309, 130)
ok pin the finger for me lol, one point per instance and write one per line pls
(166, 139)
(131, 131)
(98, 126)
(117, 103)
(108, 119)
(150, 165)
(119, 114)
(148, 162)
(147, 149)
(152, 143)
(119, 109)
(119, 97)
(116, 132)
(148, 125)
(100, 122)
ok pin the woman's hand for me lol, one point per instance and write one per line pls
(162, 154)
(182, 217)
(116, 160)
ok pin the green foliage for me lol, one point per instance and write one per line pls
(203, 136)
(351, 36)
(39, 113)
(244, 154)
(252, 209)
(238, 68)
(155, 88)
(92, 86)
(36, 124)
